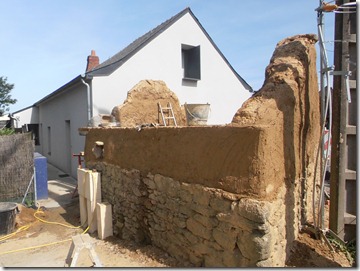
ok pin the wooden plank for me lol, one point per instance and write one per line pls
(81, 181)
(91, 212)
(83, 211)
(96, 179)
(93, 186)
(93, 196)
(88, 186)
(104, 220)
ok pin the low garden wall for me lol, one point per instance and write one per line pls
(199, 225)
(168, 186)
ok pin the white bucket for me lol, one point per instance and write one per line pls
(197, 114)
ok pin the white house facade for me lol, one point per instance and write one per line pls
(178, 52)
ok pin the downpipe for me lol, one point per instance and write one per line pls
(88, 94)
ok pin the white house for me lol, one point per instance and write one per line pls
(179, 52)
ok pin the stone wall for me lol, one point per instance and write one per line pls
(199, 225)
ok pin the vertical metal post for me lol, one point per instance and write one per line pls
(338, 133)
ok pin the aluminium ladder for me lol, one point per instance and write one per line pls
(169, 114)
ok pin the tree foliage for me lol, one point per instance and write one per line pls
(5, 97)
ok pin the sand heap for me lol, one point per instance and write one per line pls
(288, 103)
(140, 106)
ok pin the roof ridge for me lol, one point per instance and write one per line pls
(110, 65)
(133, 47)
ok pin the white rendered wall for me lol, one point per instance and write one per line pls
(29, 115)
(64, 114)
(161, 60)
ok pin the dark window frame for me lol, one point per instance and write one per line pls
(191, 62)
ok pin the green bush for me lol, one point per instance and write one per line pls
(7, 131)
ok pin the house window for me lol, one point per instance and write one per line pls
(191, 62)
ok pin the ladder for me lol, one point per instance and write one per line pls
(79, 242)
(169, 114)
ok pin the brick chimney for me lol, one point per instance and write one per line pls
(92, 61)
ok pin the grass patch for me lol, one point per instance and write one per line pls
(349, 248)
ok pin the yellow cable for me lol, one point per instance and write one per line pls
(85, 231)
(39, 246)
(51, 222)
(23, 228)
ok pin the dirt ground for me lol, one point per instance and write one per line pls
(114, 252)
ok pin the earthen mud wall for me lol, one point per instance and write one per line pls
(236, 159)
(141, 105)
(217, 196)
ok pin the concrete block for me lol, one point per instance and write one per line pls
(104, 220)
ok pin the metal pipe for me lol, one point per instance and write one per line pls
(35, 184)
(326, 102)
(27, 190)
(88, 93)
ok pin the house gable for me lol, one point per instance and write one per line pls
(109, 66)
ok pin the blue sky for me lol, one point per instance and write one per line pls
(44, 44)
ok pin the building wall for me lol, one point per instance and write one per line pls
(161, 59)
(60, 118)
(26, 116)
